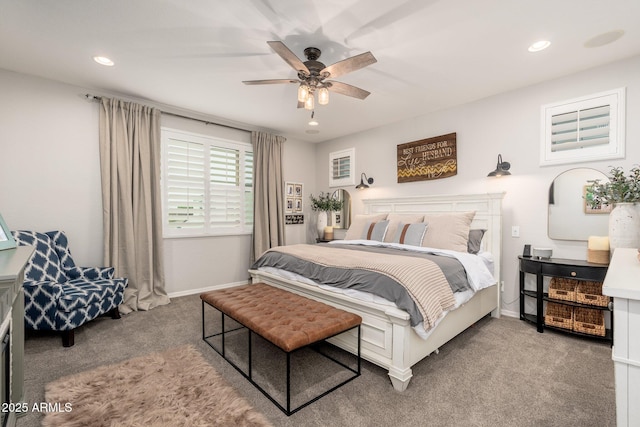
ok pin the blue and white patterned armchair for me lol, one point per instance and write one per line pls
(60, 296)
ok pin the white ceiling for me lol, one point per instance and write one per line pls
(194, 54)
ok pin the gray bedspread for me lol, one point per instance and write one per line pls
(365, 280)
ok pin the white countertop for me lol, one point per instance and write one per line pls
(623, 275)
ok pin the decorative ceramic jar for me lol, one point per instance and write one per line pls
(321, 223)
(624, 226)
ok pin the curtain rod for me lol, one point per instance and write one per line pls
(206, 122)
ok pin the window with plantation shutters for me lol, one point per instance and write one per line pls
(207, 185)
(341, 168)
(584, 129)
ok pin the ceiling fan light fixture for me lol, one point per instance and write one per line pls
(312, 75)
(303, 92)
(309, 103)
(323, 96)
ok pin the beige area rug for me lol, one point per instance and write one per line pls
(173, 388)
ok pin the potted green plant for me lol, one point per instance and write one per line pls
(322, 204)
(622, 192)
(325, 202)
(620, 188)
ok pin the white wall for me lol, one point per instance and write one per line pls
(50, 176)
(50, 179)
(50, 173)
(507, 124)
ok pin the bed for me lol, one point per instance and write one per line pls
(390, 338)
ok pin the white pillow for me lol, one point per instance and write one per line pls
(448, 231)
(359, 223)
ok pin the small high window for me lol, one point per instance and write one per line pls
(584, 129)
(341, 168)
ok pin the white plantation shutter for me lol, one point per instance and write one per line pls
(248, 188)
(341, 167)
(584, 129)
(208, 185)
(185, 201)
(226, 198)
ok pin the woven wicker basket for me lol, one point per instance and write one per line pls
(591, 293)
(559, 315)
(589, 321)
(563, 289)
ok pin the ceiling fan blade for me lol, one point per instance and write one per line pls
(350, 64)
(345, 89)
(289, 57)
(269, 82)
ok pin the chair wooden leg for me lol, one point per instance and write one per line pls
(68, 338)
(115, 313)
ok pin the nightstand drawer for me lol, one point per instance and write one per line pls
(575, 272)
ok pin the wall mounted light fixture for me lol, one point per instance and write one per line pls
(362, 184)
(502, 168)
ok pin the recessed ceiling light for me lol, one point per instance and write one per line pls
(103, 60)
(604, 39)
(312, 131)
(313, 123)
(539, 45)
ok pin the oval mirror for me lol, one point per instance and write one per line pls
(569, 215)
(342, 218)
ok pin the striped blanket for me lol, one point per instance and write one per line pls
(422, 279)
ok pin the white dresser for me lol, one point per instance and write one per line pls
(623, 284)
(12, 263)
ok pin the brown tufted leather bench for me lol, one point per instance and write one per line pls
(285, 319)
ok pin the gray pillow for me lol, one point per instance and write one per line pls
(475, 241)
(375, 230)
(410, 234)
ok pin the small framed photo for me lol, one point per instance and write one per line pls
(298, 207)
(289, 204)
(298, 190)
(6, 239)
(289, 189)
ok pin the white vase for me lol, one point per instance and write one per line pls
(624, 226)
(321, 223)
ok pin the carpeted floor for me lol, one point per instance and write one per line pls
(176, 387)
(500, 372)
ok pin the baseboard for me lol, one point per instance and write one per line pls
(510, 313)
(207, 289)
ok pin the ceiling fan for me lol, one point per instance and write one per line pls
(313, 75)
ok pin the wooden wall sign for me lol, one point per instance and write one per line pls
(426, 159)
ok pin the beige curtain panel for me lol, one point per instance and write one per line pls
(132, 214)
(268, 193)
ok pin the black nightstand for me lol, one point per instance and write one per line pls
(564, 268)
(319, 240)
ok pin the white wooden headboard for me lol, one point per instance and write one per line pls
(488, 208)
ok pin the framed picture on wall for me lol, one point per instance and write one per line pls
(293, 197)
(6, 239)
(289, 189)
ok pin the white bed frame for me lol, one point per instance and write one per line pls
(388, 340)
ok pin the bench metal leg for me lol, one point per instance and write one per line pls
(249, 374)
